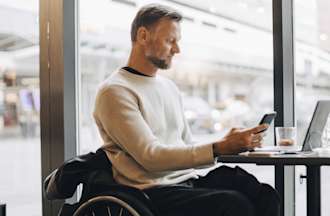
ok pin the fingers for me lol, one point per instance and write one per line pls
(234, 129)
(257, 140)
(257, 129)
(254, 140)
(251, 141)
(246, 139)
(257, 137)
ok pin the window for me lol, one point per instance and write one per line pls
(312, 68)
(20, 182)
(224, 70)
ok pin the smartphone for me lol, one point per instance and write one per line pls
(267, 119)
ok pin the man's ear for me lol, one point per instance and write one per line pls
(143, 35)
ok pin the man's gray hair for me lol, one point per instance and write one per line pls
(150, 14)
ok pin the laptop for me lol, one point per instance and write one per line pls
(313, 137)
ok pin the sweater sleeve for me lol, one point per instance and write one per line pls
(117, 113)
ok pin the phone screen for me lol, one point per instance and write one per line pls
(267, 119)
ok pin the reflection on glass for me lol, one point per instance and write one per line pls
(312, 68)
(224, 70)
(20, 182)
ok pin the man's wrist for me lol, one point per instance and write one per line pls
(215, 150)
(213, 146)
(219, 147)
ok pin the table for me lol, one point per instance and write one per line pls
(312, 161)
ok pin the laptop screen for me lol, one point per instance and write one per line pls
(313, 138)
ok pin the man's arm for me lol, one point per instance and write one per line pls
(118, 113)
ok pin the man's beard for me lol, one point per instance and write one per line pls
(159, 63)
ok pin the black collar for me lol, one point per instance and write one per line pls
(133, 71)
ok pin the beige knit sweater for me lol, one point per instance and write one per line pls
(145, 134)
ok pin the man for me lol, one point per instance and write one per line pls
(140, 117)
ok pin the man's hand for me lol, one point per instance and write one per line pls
(240, 140)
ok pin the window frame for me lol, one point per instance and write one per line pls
(284, 94)
(58, 88)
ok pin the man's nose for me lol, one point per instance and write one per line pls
(176, 48)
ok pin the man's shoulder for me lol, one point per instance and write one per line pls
(115, 80)
(111, 87)
(115, 77)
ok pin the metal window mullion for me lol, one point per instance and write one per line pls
(284, 93)
(70, 74)
(70, 105)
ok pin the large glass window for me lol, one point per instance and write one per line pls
(312, 68)
(20, 181)
(224, 70)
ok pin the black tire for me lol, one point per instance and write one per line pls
(113, 203)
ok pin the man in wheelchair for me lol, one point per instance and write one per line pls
(140, 116)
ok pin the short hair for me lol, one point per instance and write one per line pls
(150, 14)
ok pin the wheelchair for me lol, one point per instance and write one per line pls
(101, 195)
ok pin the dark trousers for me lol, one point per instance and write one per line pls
(225, 191)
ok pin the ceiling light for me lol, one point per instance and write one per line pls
(323, 37)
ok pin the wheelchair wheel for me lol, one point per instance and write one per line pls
(113, 204)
